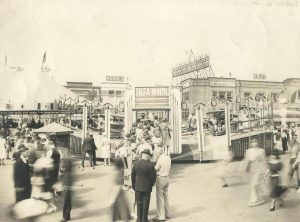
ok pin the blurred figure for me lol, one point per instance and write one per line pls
(275, 166)
(256, 162)
(2, 149)
(106, 150)
(22, 175)
(8, 147)
(117, 201)
(67, 176)
(295, 149)
(162, 167)
(143, 178)
(229, 170)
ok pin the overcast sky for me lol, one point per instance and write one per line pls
(88, 39)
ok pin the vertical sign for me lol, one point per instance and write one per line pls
(227, 124)
(107, 123)
(84, 123)
(200, 132)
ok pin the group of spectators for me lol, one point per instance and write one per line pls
(144, 161)
(283, 135)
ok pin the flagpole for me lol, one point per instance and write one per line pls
(44, 60)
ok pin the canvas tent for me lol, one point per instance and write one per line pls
(23, 91)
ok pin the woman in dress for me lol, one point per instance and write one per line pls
(2, 149)
(106, 150)
(165, 133)
(275, 166)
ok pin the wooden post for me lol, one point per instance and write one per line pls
(84, 123)
(107, 122)
(227, 125)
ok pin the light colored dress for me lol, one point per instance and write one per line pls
(105, 148)
(2, 148)
(165, 133)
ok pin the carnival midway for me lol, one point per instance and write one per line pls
(205, 148)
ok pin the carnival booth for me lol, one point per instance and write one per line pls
(162, 102)
(59, 133)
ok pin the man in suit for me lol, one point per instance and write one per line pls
(22, 176)
(143, 177)
(67, 177)
(88, 147)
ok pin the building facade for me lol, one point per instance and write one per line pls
(202, 90)
(111, 91)
(83, 89)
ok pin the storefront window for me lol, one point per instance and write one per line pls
(247, 94)
(221, 95)
(229, 96)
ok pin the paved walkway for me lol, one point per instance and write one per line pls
(195, 195)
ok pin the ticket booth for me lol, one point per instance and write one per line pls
(161, 102)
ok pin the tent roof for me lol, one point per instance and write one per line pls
(53, 128)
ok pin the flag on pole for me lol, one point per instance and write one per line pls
(44, 61)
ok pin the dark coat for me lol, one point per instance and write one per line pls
(21, 174)
(88, 144)
(143, 176)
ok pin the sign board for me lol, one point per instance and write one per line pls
(196, 65)
(259, 76)
(115, 78)
(151, 92)
(152, 97)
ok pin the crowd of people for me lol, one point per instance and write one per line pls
(41, 171)
(145, 162)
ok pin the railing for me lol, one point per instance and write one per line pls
(239, 146)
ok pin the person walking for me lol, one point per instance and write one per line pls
(87, 147)
(117, 201)
(295, 149)
(143, 178)
(256, 162)
(163, 167)
(275, 166)
(21, 175)
(67, 177)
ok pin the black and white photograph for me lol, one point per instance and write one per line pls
(143, 111)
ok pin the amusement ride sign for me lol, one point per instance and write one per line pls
(196, 65)
(152, 97)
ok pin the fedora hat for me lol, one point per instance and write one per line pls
(147, 151)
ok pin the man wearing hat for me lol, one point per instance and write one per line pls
(21, 176)
(256, 161)
(143, 178)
